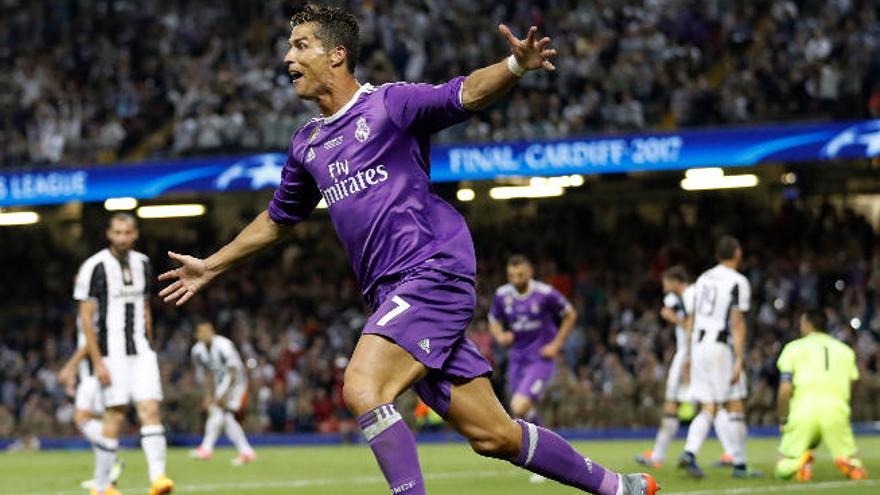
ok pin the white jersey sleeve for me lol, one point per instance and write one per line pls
(688, 298)
(198, 360)
(670, 300)
(743, 293)
(84, 285)
(230, 355)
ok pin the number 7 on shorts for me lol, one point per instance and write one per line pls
(400, 308)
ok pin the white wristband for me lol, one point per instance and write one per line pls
(514, 67)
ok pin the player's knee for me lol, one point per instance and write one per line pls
(361, 395)
(80, 416)
(148, 413)
(499, 442)
(735, 406)
(112, 423)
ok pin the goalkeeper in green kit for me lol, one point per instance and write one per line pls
(817, 372)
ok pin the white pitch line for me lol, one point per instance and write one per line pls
(794, 487)
(306, 483)
(298, 484)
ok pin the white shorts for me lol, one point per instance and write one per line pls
(676, 391)
(237, 399)
(711, 373)
(88, 396)
(132, 379)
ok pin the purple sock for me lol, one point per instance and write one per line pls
(549, 455)
(394, 446)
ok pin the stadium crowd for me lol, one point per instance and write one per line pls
(85, 82)
(296, 313)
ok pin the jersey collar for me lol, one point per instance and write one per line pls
(528, 292)
(345, 108)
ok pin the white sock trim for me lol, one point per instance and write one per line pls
(386, 417)
(533, 442)
(152, 430)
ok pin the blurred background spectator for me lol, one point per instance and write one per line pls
(95, 81)
(295, 314)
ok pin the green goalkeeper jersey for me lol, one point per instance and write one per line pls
(822, 370)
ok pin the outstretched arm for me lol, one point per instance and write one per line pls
(195, 273)
(484, 86)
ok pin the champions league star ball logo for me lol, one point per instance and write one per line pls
(256, 172)
(862, 140)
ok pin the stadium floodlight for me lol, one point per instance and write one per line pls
(575, 180)
(11, 218)
(171, 211)
(704, 179)
(116, 204)
(530, 191)
(465, 195)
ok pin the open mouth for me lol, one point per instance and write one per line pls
(295, 75)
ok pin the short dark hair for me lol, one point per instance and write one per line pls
(336, 27)
(202, 320)
(518, 259)
(122, 217)
(676, 273)
(817, 318)
(725, 248)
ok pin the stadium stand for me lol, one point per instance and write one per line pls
(101, 81)
(297, 325)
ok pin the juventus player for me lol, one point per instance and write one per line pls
(76, 374)
(217, 355)
(717, 331)
(679, 292)
(113, 288)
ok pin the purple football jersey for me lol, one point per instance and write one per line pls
(533, 317)
(370, 163)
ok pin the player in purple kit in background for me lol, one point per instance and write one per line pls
(525, 315)
(367, 157)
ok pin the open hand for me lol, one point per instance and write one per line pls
(531, 53)
(192, 275)
(67, 378)
(102, 373)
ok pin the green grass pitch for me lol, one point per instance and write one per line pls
(451, 469)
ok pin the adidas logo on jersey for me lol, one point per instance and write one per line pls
(425, 345)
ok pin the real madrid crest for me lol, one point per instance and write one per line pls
(362, 130)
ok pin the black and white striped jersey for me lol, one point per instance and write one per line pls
(120, 287)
